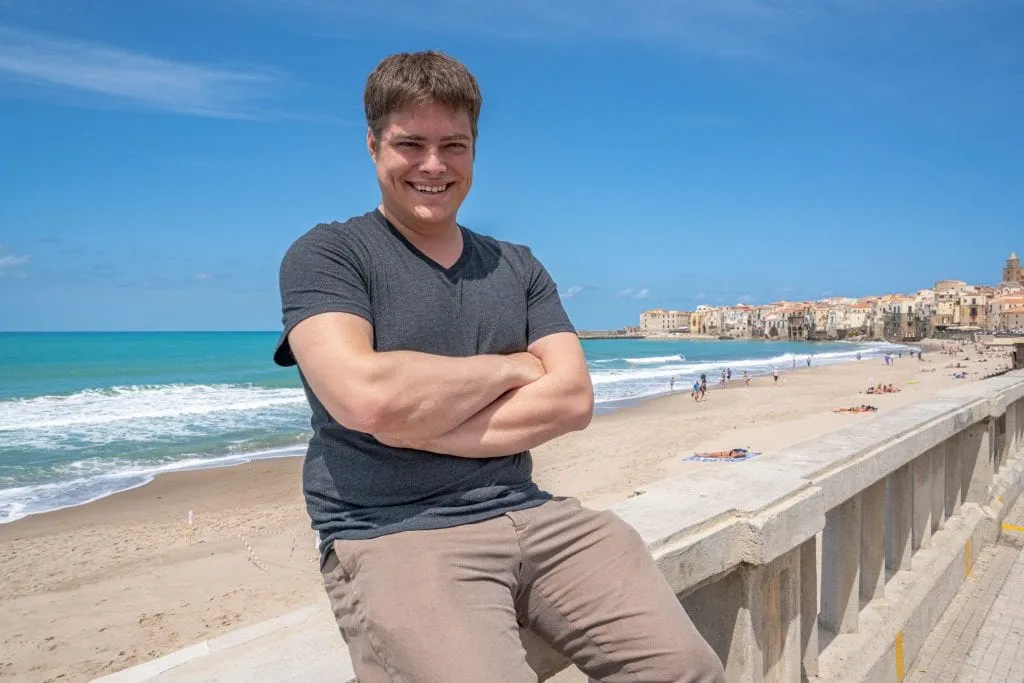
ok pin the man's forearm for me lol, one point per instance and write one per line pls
(424, 395)
(521, 419)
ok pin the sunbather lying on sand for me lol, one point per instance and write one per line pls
(856, 409)
(734, 453)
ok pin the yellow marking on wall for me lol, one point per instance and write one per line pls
(1012, 527)
(900, 671)
(967, 557)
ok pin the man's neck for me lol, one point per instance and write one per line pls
(442, 243)
(420, 233)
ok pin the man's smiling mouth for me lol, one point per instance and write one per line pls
(432, 188)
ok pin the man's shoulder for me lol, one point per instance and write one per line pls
(339, 232)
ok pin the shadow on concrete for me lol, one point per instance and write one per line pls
(716, 609)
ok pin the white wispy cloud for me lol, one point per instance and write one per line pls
(8, 259)
(133, 78)
(571, 292)
(700, 296)
(202, 276)
(633, 293)
(746, 299)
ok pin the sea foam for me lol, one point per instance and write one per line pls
(143, 414)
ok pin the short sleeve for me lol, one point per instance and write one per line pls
(544, 312)
(320, 273)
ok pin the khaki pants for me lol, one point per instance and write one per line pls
(444, 605)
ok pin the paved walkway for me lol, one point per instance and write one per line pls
(979, 638)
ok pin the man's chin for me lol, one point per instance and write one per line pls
(433, 216)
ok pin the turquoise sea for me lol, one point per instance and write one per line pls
(83, 415)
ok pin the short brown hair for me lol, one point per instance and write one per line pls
(414, 78)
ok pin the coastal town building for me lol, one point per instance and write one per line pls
(974, 307)
(663, 321)
(819, 321)
(1006, 312)
(952, 306)
(775, 326)
(798, 321)
(1012, 272)
(858, 319)
(736, 321)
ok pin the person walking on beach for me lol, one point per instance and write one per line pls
(703, 385)
(672, 383)
(775, 374)
(434, 358)
(746, 379)
(696, 391)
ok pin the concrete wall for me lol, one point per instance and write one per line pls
(834, 558)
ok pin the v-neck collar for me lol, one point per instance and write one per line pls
(448, 272)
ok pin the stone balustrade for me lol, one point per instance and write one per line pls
(829, 560)
(834, 558)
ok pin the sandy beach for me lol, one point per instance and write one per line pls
(93, 589)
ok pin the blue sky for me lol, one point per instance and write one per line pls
(158, 158)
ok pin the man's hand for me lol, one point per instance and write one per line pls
(530, 367)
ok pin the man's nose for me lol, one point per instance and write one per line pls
(433, 162)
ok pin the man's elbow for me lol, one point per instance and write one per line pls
(581, 409)
(361, 412)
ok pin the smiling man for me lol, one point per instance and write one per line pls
(434, 358)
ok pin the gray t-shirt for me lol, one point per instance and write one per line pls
(497, 298)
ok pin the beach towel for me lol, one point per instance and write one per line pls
(733, 455)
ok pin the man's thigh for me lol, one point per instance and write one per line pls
(596, 595)
(430, 606)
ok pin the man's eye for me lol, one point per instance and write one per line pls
(407, 143)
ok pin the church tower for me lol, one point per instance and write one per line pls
(1012, 272)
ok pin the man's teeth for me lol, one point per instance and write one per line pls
(431, 188)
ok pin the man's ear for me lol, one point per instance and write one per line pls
(371, 144)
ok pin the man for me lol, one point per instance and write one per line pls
(433, 359)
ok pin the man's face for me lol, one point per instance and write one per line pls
(424, 160)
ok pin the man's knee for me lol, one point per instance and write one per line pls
(704, 665)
